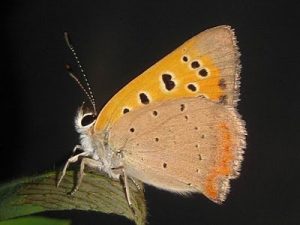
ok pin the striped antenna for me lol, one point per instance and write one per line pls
(87, 91)
(69, 69)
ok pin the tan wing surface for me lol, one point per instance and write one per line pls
(183, 145)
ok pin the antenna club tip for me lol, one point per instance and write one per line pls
(68, 41)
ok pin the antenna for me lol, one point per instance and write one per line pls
(69, 69)
(88, 93)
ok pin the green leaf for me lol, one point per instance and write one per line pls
(96, 193)
(35, 220)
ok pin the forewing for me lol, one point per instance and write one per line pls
(207, 64)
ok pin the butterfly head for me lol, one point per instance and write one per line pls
(93, 143)
(85, 119)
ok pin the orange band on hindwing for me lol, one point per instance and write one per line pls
(219, 175)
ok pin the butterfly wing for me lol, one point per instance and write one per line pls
(182, 145)
(207, 64)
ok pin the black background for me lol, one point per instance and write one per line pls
(117, 41)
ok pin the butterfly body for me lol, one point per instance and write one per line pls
(94, 145)
(175, 126)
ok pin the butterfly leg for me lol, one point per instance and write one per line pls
(124, 178)
(72, 159)
(91, 163)
(76, 147)
(136, 184)
(127, 191)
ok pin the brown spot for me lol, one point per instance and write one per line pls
(195, 64)
(156, 139)
(203, 73)
(222, 83)
(196, 128)
(155, 113)
(165, 165)
(192, 87)
(132, 130)
(144, 98)
(199, 157)
(182, 107)
(223, 99)
(202, 136)
(197, 146)
(125, 110)
(167, 79)
(186, 117)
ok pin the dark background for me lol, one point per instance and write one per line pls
(117, 41)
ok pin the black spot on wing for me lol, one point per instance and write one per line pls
(167, 79)
(182, 107)
(144, 98)
(125, 110)
(203, 73)
(222, 84)
(192, 87)
(195, 64)
(185, 59)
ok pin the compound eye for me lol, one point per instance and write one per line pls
(87, 120)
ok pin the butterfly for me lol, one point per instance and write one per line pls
(175, 126)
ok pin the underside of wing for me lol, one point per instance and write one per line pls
(206, 65)
(184, 145)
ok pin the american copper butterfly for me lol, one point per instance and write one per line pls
(175, 126)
